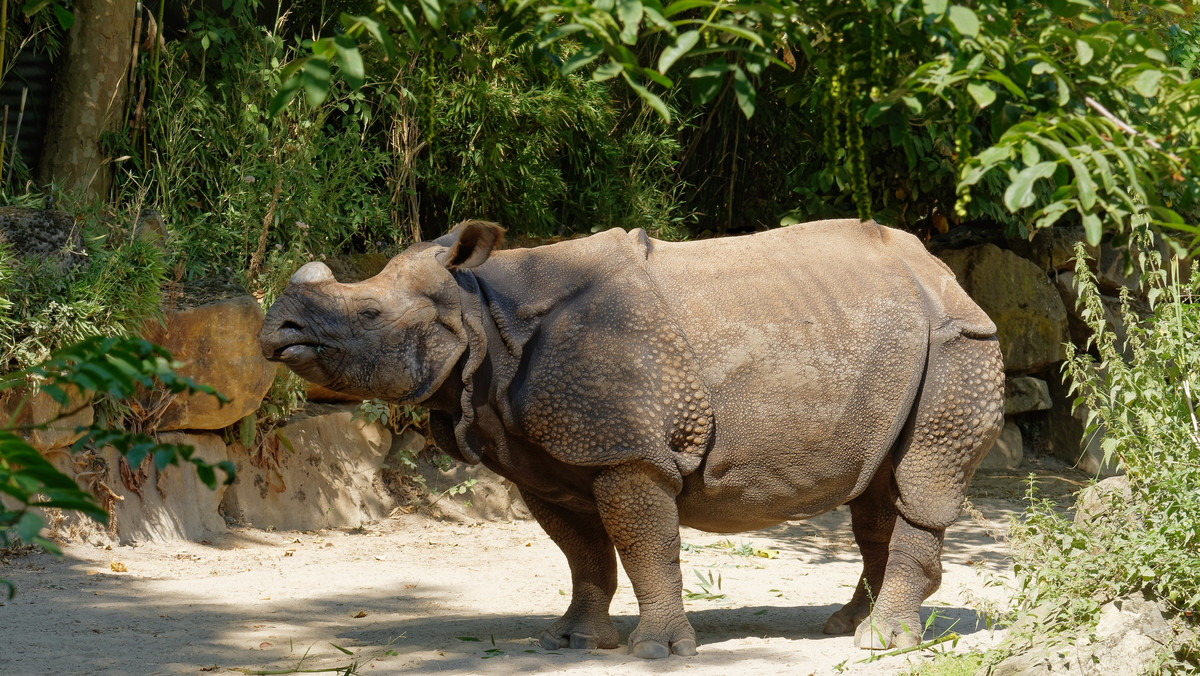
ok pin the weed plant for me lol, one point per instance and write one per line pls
(1144, 405)
(110, 286)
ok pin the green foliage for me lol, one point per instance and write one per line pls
(949, 664)
(545, 154)
(117, 367)
(1144, 404)
(263, 193)
(111, 287)
(1072, 109)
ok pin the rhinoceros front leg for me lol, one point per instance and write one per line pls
(639, 512)
(589, 552)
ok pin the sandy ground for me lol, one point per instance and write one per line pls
(415, 595)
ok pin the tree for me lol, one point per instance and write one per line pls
(88, 98)
(1044, 110)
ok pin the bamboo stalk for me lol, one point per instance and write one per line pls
(3, 142)
(16, 134)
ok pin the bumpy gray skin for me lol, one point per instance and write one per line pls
(629, 385)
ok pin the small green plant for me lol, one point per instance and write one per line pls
(709, 589)
(728, 546)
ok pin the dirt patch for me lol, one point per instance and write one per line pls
(411, 594)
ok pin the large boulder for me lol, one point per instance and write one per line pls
(453, 490)
(1029, 314)
(172, 504)
(217, 342)
(1068, 439)
(321, 470)
(1130, 638)
(1023, 394)
(63, 423)
(1009, 449)
(144, 504)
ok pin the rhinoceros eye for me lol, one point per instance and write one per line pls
(369, 313)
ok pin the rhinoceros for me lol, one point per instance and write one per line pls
(628, 385)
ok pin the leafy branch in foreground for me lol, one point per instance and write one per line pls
(116, 367)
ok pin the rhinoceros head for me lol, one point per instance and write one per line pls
(396, 336)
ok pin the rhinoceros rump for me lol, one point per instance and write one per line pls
(629, 385)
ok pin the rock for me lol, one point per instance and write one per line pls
(42, 235)
(1023, 394)
(144, 505)
(357, 267)
(1029, 314)
(173, 504)
(1128, 640)
(217, 342)
(1051, 248)
(1009, 449)
(325, 473)
(41, 409)
(1066, 440)
(469, 492)
(324, 395)
(1097, 499)
(449, 489)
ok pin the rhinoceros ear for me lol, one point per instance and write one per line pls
(470, 243)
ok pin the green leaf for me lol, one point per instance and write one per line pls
(936, 7)
(246, 431)
(350, 61)
(650, 98)
(608, 71)
(66, 18)
(1146, 82)
(964, 21)
(315, 79)
(746, 96)
(630, 13)
(1083, 52)
(1092, 228)
(587, 54)
(983, 94)
(433, 11)
(683, 44)
(287, 91)
(1020, 193)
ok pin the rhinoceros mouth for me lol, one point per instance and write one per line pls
(297, 353)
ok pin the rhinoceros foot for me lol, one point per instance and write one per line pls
(580, 629)
(877, 633)
(847, 619)
(655, 640)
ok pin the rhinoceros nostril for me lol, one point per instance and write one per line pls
(289, 324)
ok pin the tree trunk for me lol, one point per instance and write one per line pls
(88, 97)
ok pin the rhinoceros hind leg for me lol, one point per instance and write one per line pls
(914, 571)
(638, 509)
(873, 518)
(589, 552)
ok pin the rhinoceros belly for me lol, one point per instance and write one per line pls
(812, 341)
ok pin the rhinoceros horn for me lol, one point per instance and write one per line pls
(312, 273)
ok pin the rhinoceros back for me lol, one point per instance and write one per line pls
(812, 340)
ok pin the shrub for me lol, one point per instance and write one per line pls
(1145, 407)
